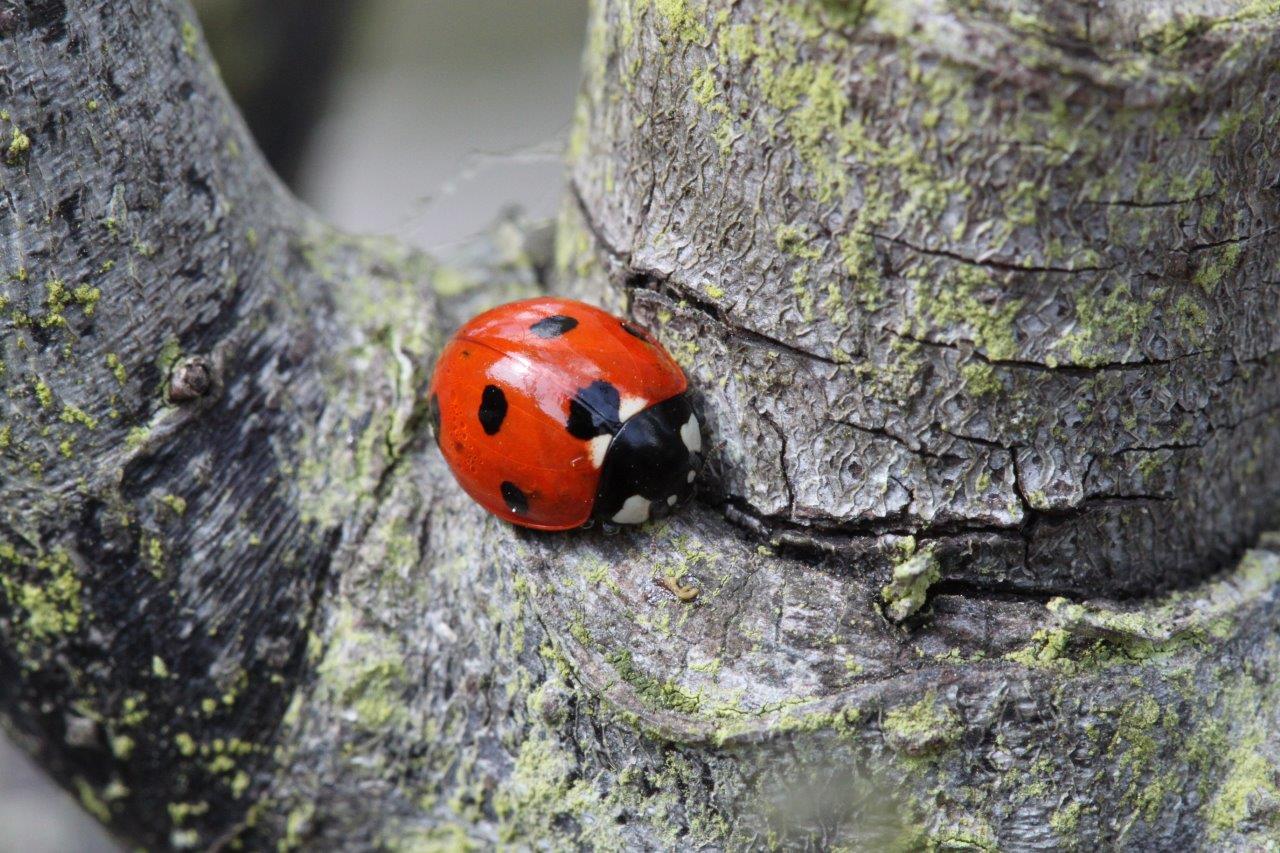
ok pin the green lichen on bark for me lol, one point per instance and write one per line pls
(45, 593)
(921, 729)
(909, 585)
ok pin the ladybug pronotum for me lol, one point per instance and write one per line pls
(553, 414)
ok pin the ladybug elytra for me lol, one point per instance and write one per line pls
(553, 414)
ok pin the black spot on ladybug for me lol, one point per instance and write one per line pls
(516, 500)
(493, 409)
(594, 411)
(634, 331)
(433, 414)
(554, 327)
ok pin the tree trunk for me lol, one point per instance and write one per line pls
(979, 306)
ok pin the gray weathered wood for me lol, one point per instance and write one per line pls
(978, 301)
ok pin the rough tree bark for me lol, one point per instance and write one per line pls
(979, 302)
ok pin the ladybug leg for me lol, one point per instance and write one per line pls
(588, 524)
(610, 529)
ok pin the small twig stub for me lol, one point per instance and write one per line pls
(190, 379)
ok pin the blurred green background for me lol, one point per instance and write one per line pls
(419, 118)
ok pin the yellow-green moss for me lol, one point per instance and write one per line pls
(19, 147)
(1119, 318)
(169, 355)
(1136, 749)
(1248, 787)
(87, 298)
(970, 832)
(448, 838)
(363, 671)
(858, 256)
(1222, 261)
(240, 783)
(176, 503)
(122, 747)
(116, 367)
(296, 824)
(543, 784)
(58, 297)
(793, 241)
(703, 86)
(74, 415)
(906, 592)
(132, 711)
(185, 743)
(44, 394)
(92, 803)
(1046, 646)
(924, 728)
(681, 20)
(151, 550)
(961, 300)
(190, 38)
(45, 592)
(180, 813)
(980, 379)
(661, 694)
(137, 437)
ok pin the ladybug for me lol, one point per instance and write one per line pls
(553, 415)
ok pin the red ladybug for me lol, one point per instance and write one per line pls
(553, 414)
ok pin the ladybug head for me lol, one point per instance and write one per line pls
(650, 465)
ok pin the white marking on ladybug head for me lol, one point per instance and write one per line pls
(635, 510)
(693, 475)
(691, 435)
(598, 447)
(629, 406)
(671, 500)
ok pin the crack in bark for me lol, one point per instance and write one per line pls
(1004, 266)
(603, 242)
(655, 282)
(899, 440)
(995, 591)
(1227, 241)
(853, 530)
(638, 278)
(1173, 202)
(659, 282)
(984, 442)
(782, 461)
(970, 348)
(1261, 413)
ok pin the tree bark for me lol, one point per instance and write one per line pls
(979, 306)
